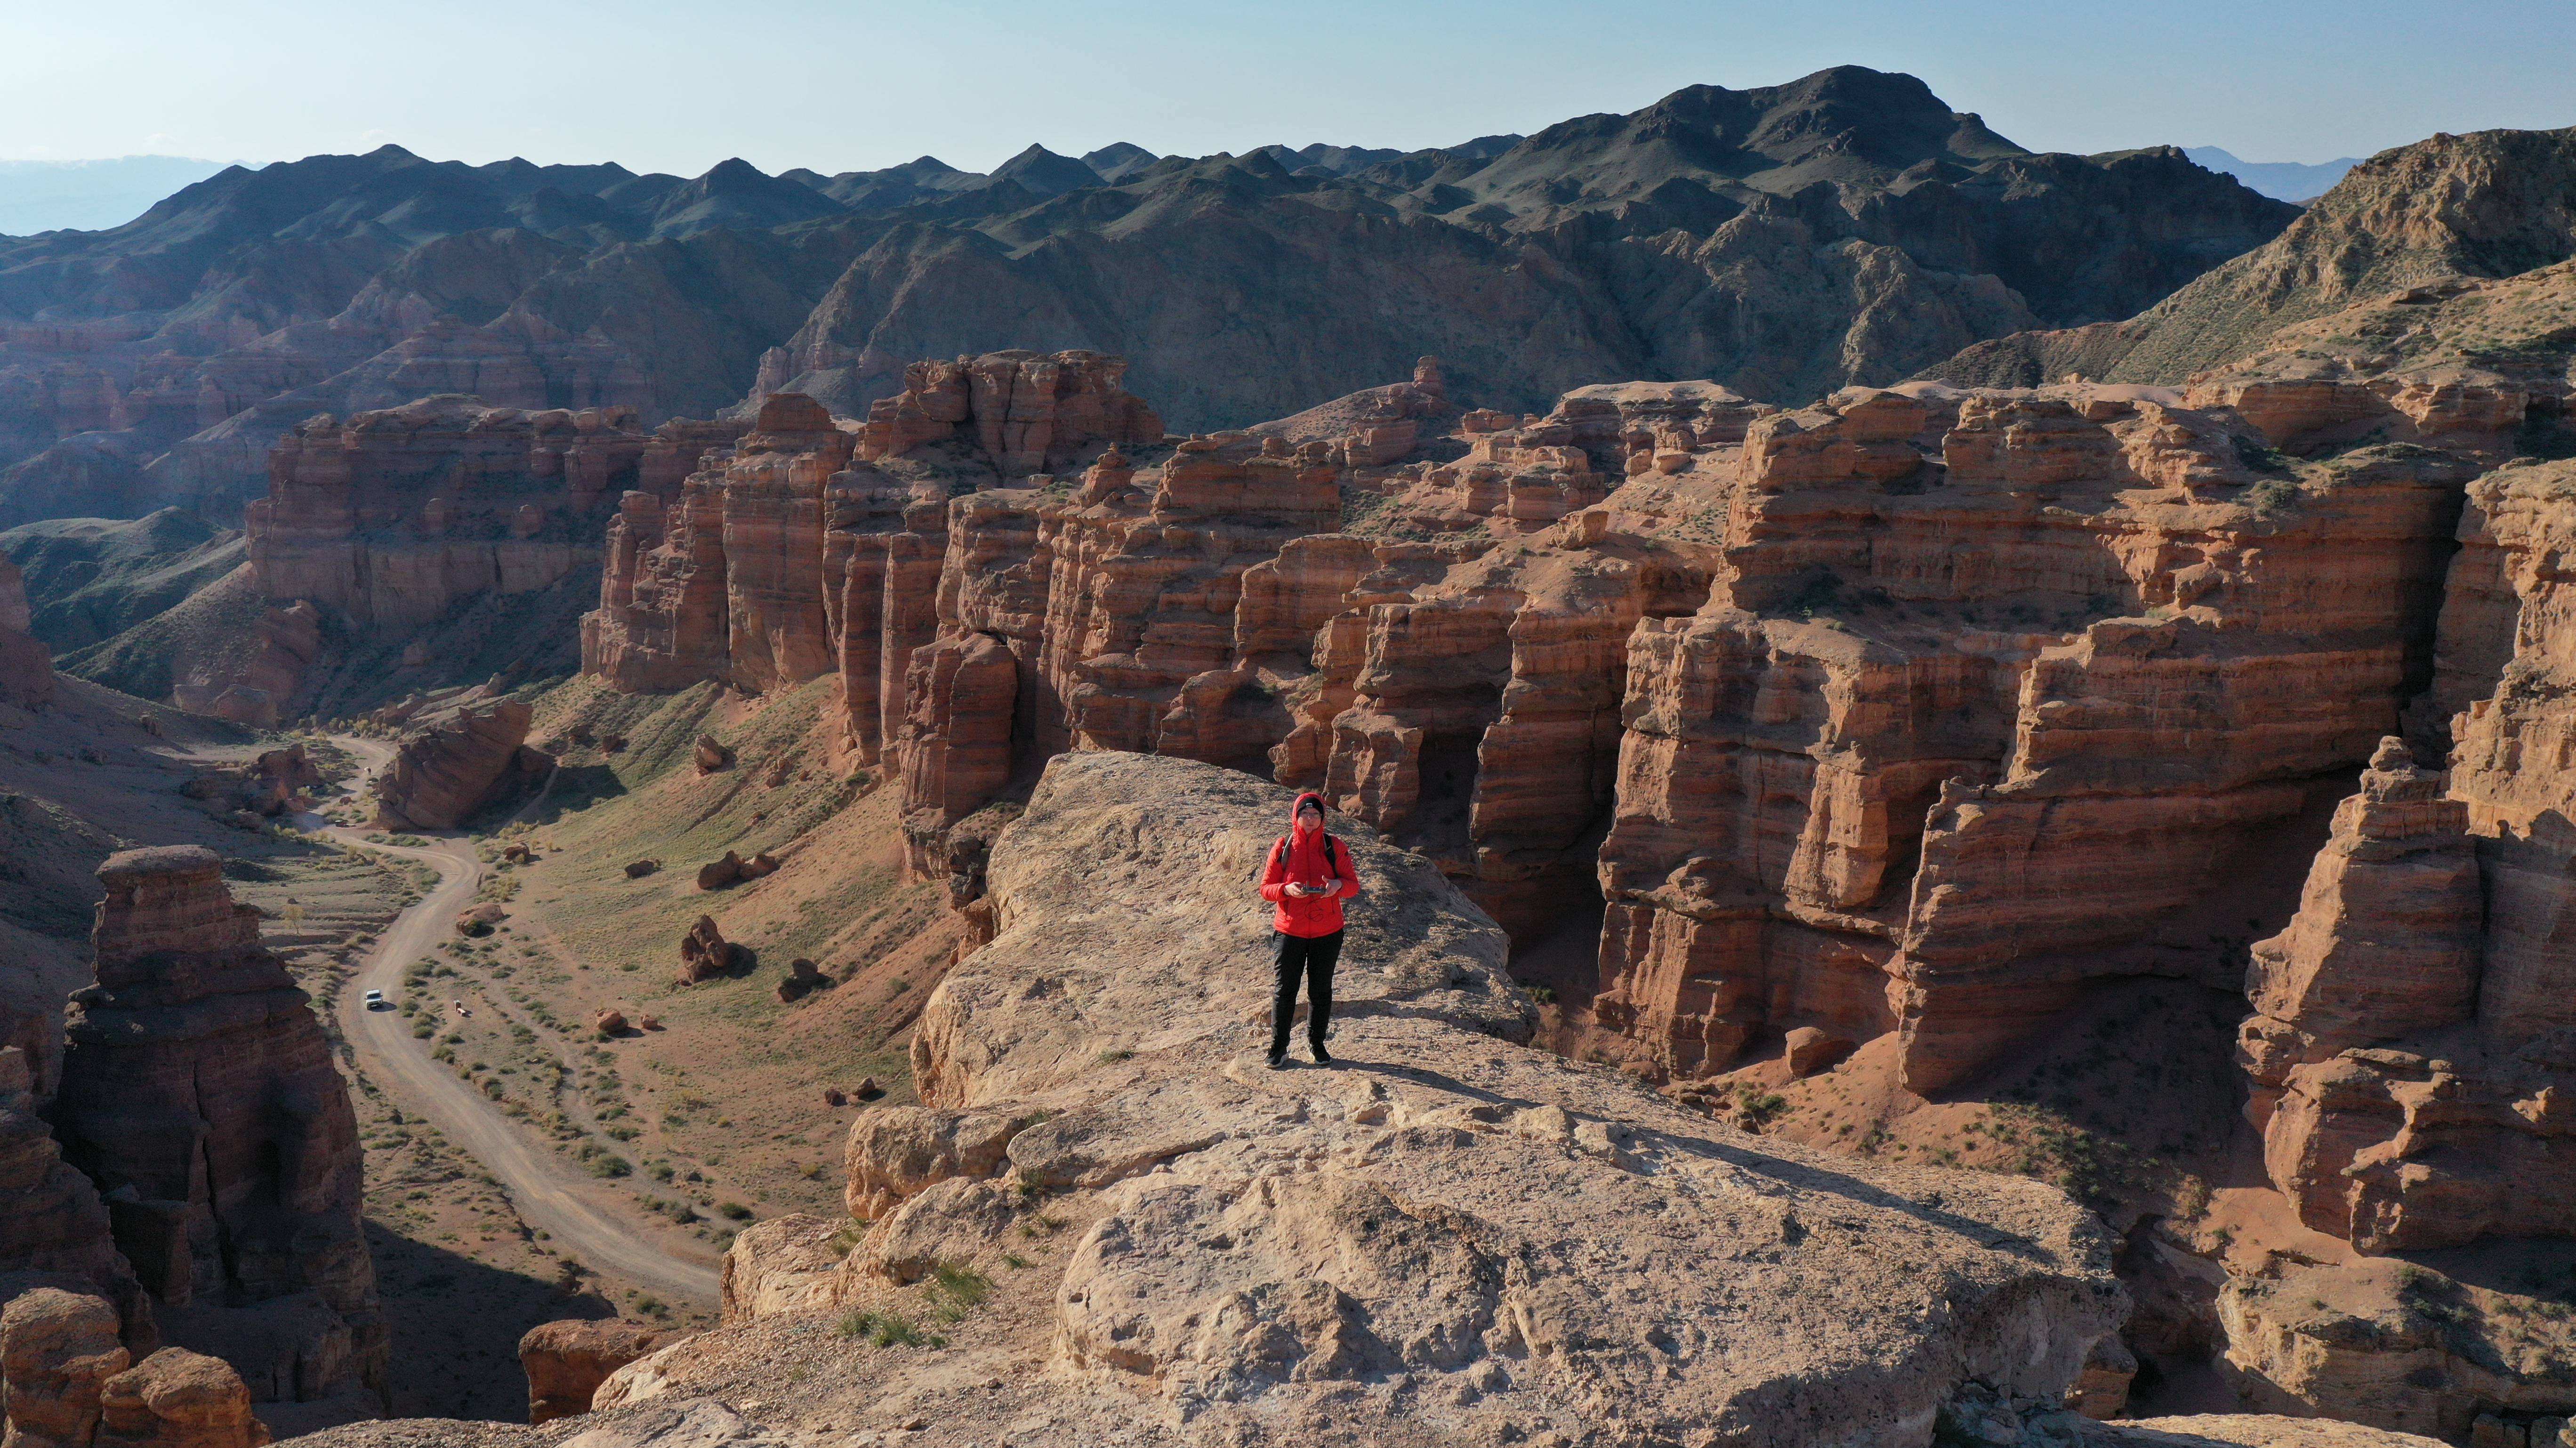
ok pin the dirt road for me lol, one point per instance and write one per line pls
(547, 1190)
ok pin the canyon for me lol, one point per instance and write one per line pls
(1921, 716)
(1775, 788)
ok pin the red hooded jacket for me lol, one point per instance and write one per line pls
(1302, 857)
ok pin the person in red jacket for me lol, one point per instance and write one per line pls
(1308, 877)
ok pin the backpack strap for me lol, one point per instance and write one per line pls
(1332, 856)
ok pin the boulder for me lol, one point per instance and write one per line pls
(178, 1399)
(638, 869)
(480, 919)
(717, 874)
(785, 1264)
(609, 1023)
(57, 1351)
(567, 1361)
(704, 952)
(1807, 1050)
(454, 762)
(802, 979)
(711, 755)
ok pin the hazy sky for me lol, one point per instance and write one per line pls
(661, 85)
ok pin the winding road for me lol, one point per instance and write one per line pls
(547, 1191)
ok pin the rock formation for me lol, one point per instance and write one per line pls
(1022, 412)
(26, 665)
(456, 759)
(705, 953)
(1850, 640)
(57, 1350)
(1263, 1248)
(53, 1227)
(567, 1361)
(68, 1384)
(198, 1093)
(178, 1399)
(2415, 1020)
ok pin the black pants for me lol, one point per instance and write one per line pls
(1312, 957)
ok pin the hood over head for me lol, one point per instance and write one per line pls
(1299, 804)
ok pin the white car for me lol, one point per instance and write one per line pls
(375, 1001)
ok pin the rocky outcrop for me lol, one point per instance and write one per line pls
(26, 665)
(389, 518)
(725, 580)
(178, 1399)
(54, 1227)
(68, 1384)
(1467, 1221)
(567, 1361)
(1021, 412)
(198, 1093)
(455, 760)
(705, 953)
(1883, 648)
(57, 1350)
(2415, 1019)
(392, 528)
(2385, 943)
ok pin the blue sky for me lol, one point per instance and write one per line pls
(661, 85)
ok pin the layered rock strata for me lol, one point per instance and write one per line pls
(26, 665)
(1827, 679)
(2414, 1042)
(456, 759)
(53, 1227)
(1021, 411)
(1952, 670)
(198, 1093)
(1207, 606)
(1264, 1252)
(381, 526)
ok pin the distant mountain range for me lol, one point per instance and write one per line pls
(1846, 228)
(2288, 180)
(90, 195)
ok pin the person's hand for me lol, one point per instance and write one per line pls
(1296, 891)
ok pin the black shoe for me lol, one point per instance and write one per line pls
(1278, 1060)
(1322, 1057)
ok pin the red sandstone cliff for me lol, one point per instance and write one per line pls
(198, 1093)
(458, 756)
(1917, 713)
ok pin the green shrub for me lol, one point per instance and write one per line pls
(736, 1210)
(888, 1329)
(955, 1289)
(2272, 495)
